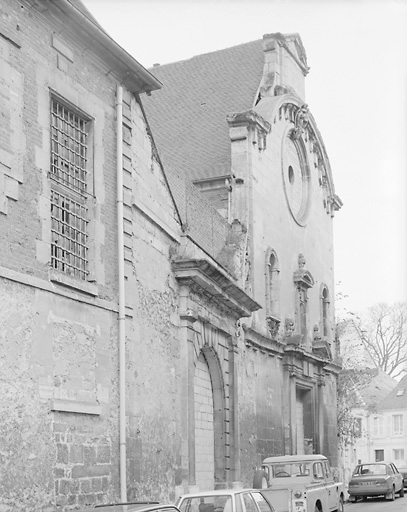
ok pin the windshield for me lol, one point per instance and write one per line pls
(222, 503)
(292, 469)
(371, 469)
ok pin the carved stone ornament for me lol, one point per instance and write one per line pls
(300, 122)
(273, 325)
(317, 335)
(288, 327)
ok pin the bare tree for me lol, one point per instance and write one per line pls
(383, 333)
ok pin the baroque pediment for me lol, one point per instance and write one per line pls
(295, 114)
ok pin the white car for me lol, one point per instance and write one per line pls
(300, 483)
(225, 500)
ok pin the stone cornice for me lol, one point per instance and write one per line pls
(216, 283)
(262, 343)
(297, 351)
(248, 118)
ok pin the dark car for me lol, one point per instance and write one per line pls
(376, 479)
(403, 472)
(225, 500)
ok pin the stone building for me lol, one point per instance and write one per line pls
(236, 122)
(166, 317)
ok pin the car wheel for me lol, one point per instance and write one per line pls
(260, 480)
(401, 493)
(391, 495)
(340, 505)
(352, 499)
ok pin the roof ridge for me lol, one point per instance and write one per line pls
(155, 66)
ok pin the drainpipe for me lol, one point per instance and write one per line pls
(122, 312)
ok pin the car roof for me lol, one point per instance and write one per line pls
(131, 507)
(218, 492)
(293, 458)
(375, 463)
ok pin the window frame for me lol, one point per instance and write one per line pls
(78, 229)
(400, 430)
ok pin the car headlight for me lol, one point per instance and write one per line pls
(297, 494)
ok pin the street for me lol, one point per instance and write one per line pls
(378, 505)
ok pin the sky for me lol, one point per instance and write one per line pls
(356, 90)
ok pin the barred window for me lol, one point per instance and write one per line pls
(69, 212)
(68, 147)
(69, 251)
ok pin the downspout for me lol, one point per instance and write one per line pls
(122, 311)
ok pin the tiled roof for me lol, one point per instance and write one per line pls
(371, 384)
(188, 115)
(397, 398)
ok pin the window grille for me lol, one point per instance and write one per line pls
(68, 147)
(69, 251)
(69, 213)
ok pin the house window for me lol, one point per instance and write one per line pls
(357, 427)
(397, 424)
(398, 454)
(378, 426)
(69, 190)
(379, 455)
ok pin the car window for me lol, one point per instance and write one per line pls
(318, 471)
(261, 502)
(248, 503)
(327, 470)
(266, 469)
(291, 469)
(372, 469)
(206, 504)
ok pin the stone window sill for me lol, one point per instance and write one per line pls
(75, 284)
(59, 405)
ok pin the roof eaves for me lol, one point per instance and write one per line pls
(77, 23)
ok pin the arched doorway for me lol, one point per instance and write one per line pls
(204, 426)
(209, 418)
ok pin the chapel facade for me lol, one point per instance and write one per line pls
(166, 276)
(243, 133)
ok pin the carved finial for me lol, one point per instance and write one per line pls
(301, 260)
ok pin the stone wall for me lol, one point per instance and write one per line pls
(59, 339)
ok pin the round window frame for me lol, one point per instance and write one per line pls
(301, 216)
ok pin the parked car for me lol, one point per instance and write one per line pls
(375, 479)
(225, 500)
(300, 483)
(139, 506)
(403, 472)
